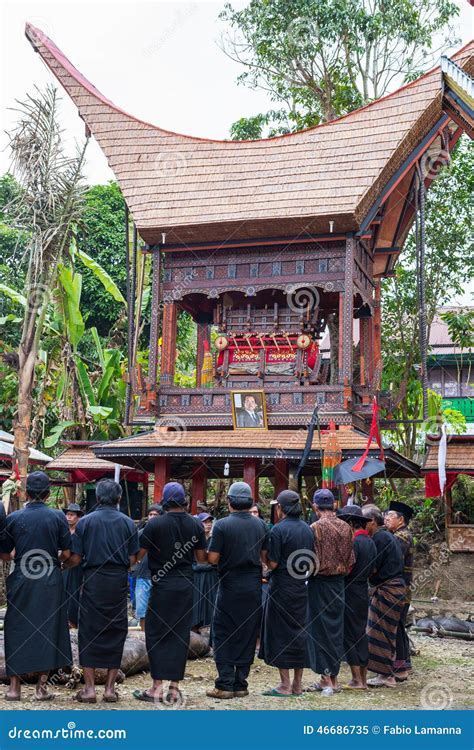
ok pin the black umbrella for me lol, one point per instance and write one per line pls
(343, 473)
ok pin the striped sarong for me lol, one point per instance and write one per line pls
(385, 609)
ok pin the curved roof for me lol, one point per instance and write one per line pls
(200, 190)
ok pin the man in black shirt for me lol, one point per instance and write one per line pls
(386, 602)
(36, 629)
(238, 547)
(106, 541)
(356, 596)
(173, 541)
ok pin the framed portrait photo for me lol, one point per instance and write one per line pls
(249, 410)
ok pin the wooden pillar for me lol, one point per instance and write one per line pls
(198, 485)
(168, 349)
(145, 495)
(251, 476)
(155, 320)
(377, 330)
(162, 476)
(348, 312)
(202, 336)
(281, 475)
(340, 379)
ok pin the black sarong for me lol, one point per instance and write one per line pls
(205, 583)
(168, 624)
(283, 636)
(237, 617)
(356, 649)
(386, 605)
(103, 621)
(72, 578)
(326, 624)
(36, 629)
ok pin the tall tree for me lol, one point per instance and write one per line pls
(47, 206)
(323, 58)
(449, 268)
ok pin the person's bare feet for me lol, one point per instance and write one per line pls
(355, 685)
(12, 695)
(284, 689)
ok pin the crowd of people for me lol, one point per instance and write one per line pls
(306, 596)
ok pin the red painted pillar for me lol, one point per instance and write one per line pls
(198, 485)
(281, 475)
(162, 476)
(251, 476)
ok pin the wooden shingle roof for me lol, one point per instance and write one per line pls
(199, 190)
(459, 454)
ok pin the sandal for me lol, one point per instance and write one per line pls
(82, 699)
(142, 695)
(12, 697)
(172, 697)
(111, 698)
(276, 694)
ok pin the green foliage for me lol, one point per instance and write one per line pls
(101, 237)
(323, 58)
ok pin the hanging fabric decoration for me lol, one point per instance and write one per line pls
(374, 433)
(331, 457)
(206, 369)
(442, 449)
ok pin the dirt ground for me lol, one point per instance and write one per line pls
(443, 678)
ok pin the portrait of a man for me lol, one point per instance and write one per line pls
(248, 409)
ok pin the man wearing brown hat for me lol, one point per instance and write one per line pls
(36, 631)
(396, 520)
(333, 547)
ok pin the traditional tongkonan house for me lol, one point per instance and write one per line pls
(266, 244)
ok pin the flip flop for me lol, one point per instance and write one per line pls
(81, 699)
(44, 698)
(111, 698)
(275, 694)
(142, 695)
(172, 697)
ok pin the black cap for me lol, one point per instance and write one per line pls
(37, 483)
(74, 508)
(402, 508)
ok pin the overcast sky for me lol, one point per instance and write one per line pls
(159, 61)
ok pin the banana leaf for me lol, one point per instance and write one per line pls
(85, 385)
(98, 346)
(56, 433)
(107, 282)
(112, 369)
(13, 294)
(71, 284)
